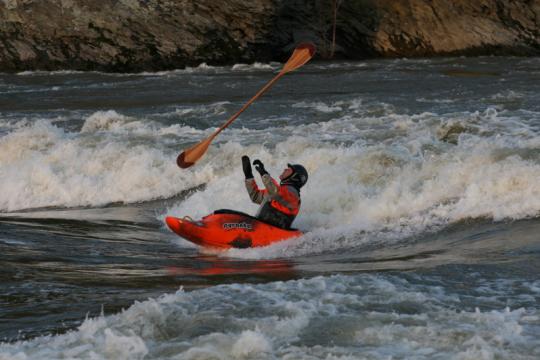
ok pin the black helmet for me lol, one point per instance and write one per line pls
(298, 178)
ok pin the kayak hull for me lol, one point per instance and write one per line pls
(225, 229)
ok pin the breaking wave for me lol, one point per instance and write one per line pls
(389, 173)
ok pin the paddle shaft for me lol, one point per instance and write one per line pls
(246, 105)
(302, 54)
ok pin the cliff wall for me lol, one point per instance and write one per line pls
(136, 35)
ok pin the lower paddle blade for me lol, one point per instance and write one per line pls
(190, 156)
(181, 161)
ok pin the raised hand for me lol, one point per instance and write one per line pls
(259, 166)
(246, 166)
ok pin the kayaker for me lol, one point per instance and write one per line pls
(280, 203)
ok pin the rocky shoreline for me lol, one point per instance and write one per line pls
(146, 35)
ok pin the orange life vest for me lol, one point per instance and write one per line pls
(279, 209)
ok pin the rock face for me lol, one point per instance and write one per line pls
(438, 27)
(129, 35)
(136, 35)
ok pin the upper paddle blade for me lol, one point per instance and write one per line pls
(301, 55)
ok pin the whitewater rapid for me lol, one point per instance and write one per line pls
(393, 173)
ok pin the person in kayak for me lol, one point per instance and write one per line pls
(280, 203)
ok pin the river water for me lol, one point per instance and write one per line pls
(421, 214)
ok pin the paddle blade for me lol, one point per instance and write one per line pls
(301, 55)
(190, 156)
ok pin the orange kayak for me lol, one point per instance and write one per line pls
(227, 229)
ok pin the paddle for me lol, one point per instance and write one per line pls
(301, 55)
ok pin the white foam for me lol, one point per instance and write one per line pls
(110, 122)
(255, 66)
(436, 100)
(319, 106)
(47, 73)
(202, 68)
(42, 165)
(508, 95)
(250, 343)
(105, 120)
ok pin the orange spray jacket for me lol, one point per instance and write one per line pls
(279, 203)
